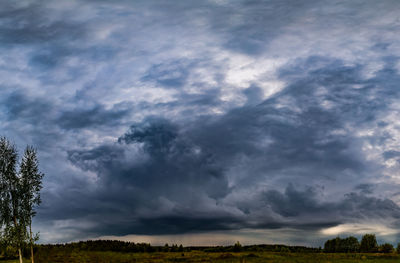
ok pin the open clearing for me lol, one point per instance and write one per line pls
(199, 256)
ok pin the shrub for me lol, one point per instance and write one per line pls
(237, 247)
(386, 248)
(368, 244)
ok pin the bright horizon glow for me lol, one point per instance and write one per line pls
(360, 229)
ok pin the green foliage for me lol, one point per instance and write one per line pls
(181, 248)
(101, 245)
(7, 251)
(386, 248)
(237, 247)
(346, 245)
(350, 244)
(19, 193)
(166, 248)
(174, 248)
(31, 183)
(130, 247)
(368, 244)
(284, 249)
(11, 195)
(8, 181)
(330, 246)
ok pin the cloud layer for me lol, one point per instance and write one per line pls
(240, 119)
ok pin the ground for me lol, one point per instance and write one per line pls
(198, 256)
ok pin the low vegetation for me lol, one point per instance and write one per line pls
(203, 256)
(106, 251)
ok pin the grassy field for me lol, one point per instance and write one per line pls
(198, 256)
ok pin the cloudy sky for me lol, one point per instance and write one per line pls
(207, 122)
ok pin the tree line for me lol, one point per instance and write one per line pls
(131, 247)
(20, 185)
(368, 244)
(351, 244)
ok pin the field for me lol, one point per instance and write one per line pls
(199, 256)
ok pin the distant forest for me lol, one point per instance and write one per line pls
(130, 247)
(368, 244)
(350, 244)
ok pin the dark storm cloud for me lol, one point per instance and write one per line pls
(253, 94)
(29, 24)
(256, 23)
(19, 106)
(176, 224)
(291, 138)
(391, 154)
(157, 135)
(173, 74)
(361, 206)
(96, 116)
(157, 117)
(295, 203)
(170, 161)
(38, 110)
(365, 188)
(35, 25)
(51, 39)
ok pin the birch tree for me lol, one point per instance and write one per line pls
(11, 210)
(31, 184)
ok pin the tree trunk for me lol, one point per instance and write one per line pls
(19, 248)
(20, 255)
(30, 232)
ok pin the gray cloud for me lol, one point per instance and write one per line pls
(365, 188)
(19, 106)
(34, 25)
(167, 118)
(352, 207)
(92, 117)
(291, 138)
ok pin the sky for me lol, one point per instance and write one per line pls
(207, 122)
